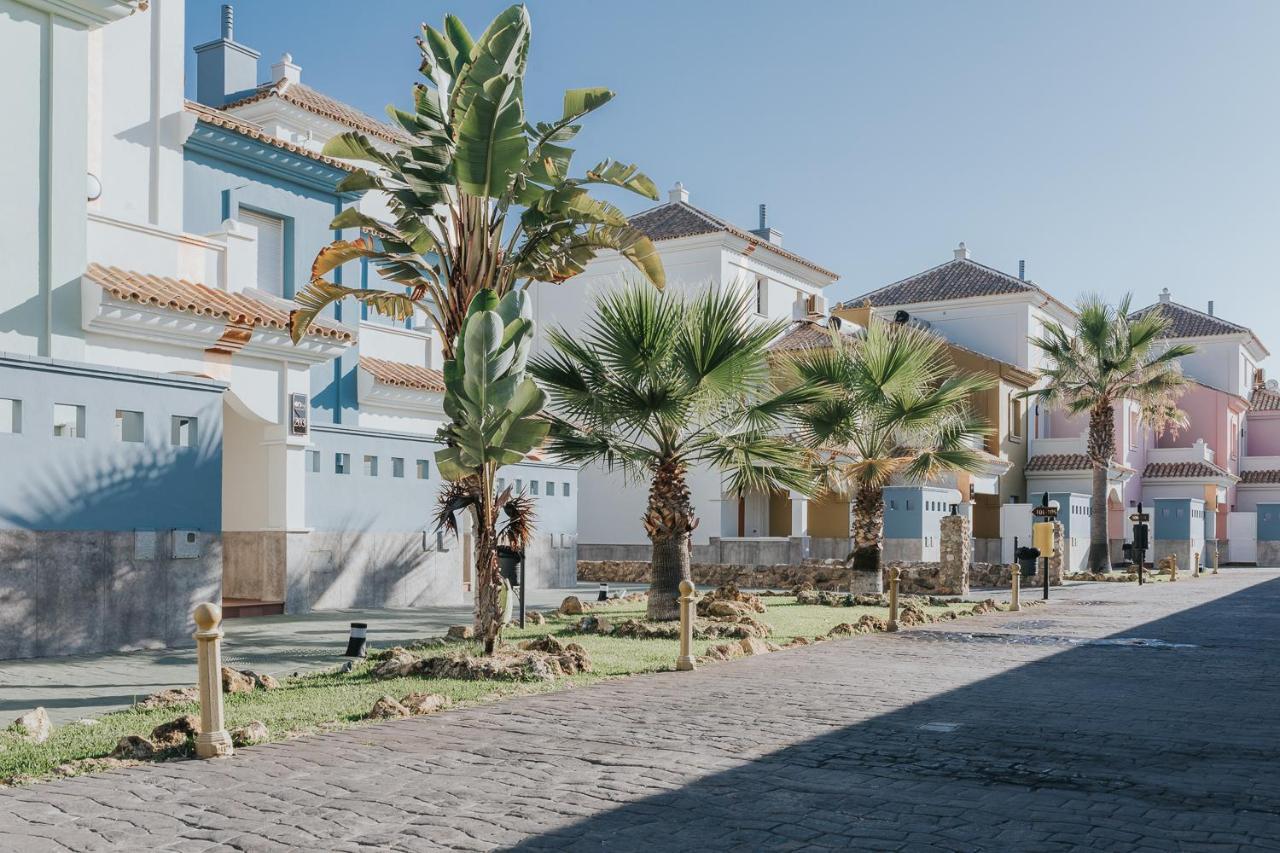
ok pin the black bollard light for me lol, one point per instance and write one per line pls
(356, 640)
(604, 592)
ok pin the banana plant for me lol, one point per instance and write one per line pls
(493, 407)
(480, 198)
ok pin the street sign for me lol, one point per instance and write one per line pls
(1139, 517)
(1045, 511)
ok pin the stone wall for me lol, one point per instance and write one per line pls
(824, 575)
(956, 552)
(988, 550)
(990, 575)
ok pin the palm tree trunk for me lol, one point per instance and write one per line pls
(488, 615)
(868, 528)
(1102, 445)
(668, 520)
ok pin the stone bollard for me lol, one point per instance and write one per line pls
(1173, 567)
(213, 740)
(685, 662)
(894, 575)
(1015, 586)
(1195, 565)
(1215, 559)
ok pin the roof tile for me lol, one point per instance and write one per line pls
(1257, 478)
(960, 278)
(177, 294)
(1058, 462)
(309, 99)
(1264, 400)
(1187, 322)
(1182, 470)
(226, 121)
(402, 374)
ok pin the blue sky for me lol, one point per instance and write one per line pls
(1116, 146)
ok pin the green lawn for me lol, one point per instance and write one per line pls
(332, 700)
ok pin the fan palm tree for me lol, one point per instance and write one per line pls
(660, 383)
(480, 199)
(892, 407)
(1108, 357)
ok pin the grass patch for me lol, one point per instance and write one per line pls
(332, 700)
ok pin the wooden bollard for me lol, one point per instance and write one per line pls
(213, 740)
(894, 574)
(685, 662)
(1015, 586)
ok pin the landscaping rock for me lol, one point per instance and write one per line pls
(424, 703)
(536, 618)
(572, 606)
(175, 733)
(807, 596)
(262, 681)
(398, 665)
(753, 646)
(235, 681)
(913, 615)
(867, 624)
(801, 588)
(724, 651)
(387, 708)
(798, 641)
(509, 665)
(88, 765)
(461, 632)
(637, 629)
(165, 698)
(736, 629)
(34, 726)
(712, 604)
(134, 748)
(254, 732)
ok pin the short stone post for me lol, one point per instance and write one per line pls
(1015, 586)
(1173, 567)
(213, 740)
(1195, 565)
(1215, 559)
(685, 661)
(894, 575)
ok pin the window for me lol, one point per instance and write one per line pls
(68, 420)
(533, 487)
(1235, 437)
(551, 489)
(565, 492)
(10, 416)
(762, 296)
(502, 483)
(185, 431)
(397, 466)
(342, 463)
(128, 426)
(270, 250)
(424, 469)
(313, 461)
(519, 486)
(1015, 418)
(370, 466)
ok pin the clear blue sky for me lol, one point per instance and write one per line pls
(1117, 146)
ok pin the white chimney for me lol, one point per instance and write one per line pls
(678, 193)
(1210, 307)
(1164, 295)
(286, 70)
(961, 251)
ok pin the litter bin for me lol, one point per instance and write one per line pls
(1026, 557)
(509, 565)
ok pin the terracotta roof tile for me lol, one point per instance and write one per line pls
(1058, 462)
(1182, 470)
(226, 121)
(802, 335)
(680, 219)
(402, 374)
(1264, 400)
(1257, 478)
(176, 294)
(961, 278)
(301, 95)
(1187, 322)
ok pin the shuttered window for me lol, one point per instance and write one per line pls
(270, 250)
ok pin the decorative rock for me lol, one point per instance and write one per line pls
(572, 606)
(175, 733)
(536, 618)
(165, 698)
(753, 646)
(636, 629)
(262, 681)
(913, 615)
(548, 644)
(387, 708)
(424, 703)
(461, 632)
(397, 666)
(713, 603)
(134, 748)
(724, 651)
(34, 726)
(248, 735)
(508, 665)
(235, 681)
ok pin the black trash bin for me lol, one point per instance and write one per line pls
(1026, 557)
(509, 564)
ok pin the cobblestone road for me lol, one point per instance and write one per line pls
(984, 739)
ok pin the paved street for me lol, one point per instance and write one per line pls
(77, 686)
(997, 733)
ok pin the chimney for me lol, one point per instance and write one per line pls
(1022, 270)
(224, 67)
(678, 194)
(286, 70)
(1210, 307)
(961, 251)
(1164, 295)
(764, 232)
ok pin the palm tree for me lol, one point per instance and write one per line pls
(660, 383)
(1110, 357)
(892, 407)
(481, 199)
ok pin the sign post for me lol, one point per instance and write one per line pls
(1140, 538)
(1042, 535)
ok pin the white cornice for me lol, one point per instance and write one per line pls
(411, 401)
(88, 13)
